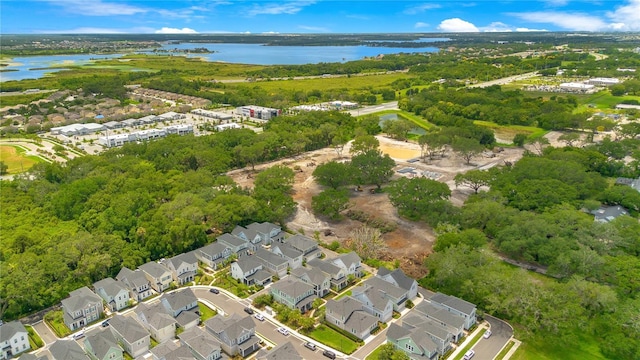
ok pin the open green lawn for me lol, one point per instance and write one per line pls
(585, 349)
(14, 158)
(334, 339)
(507, 132)
(55, 320)
(504, 351)
(417, 120)
(375, 354)
(603, 100)
(34, 340)
(206, 312)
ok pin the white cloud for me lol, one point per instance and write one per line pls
(313, 28)
(420, 25)
(288, 8)
(421, 8)
(626, 17)
(97, 7)
(496, 27)
(523, 29)
(168, 30)
(457, 25)
(564, 20)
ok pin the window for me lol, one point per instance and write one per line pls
(409, 347)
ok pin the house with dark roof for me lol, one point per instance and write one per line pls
(202, 344)
(396, 294)
(374, 302)
(82, 307)
(306, 245)
(415, 345)
(398, 278)
(348, 314)
(450, 321)
(293, 256)
(320, 280)
(102, 345)
(114, 293)
(157, 321)
(183, 267)
(132, 336)
(266, 232)
(439, 334)
(234, 243)
(137, 283)
(339, 278)
(214, 254)
(273, 263)
(284, 351)
(67, 350)
(457, 307)
(293, 293)
(159, 276)
(350, 263)
(250, 271)
(14, 339)
(236, 334)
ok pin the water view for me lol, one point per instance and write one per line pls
(32, 67)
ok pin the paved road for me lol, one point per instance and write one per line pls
(365, 110)
(501, 333)
(45, 333)
(505, 80)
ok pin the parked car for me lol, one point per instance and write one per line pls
(469, 354)
(283, 331)
(78, 336)
(487, 334)
(259, 316)
(214, 291)
(105, 323)
(310, 345)
(329, 354)
(248, 310)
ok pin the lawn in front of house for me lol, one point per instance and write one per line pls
(34, 339)
(334, 339)
(206, 312)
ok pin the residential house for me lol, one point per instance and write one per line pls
(306, 245)
(250, 271)
(183, 267)
(157, 321)
(293, 293)
(260, 233)
(179, 353)
(102, 345)
(398, 278)
(350, 263)
(81, 308)
(320, 280)
(137, 283)
(67, 350)
(159, 276)
(114, 293)
(338, 275)
(293, 256)
(273, 263)
(412, 342)
(236, 244)
(14, 339)
(178, 304)
(348, 314)
(396, 294)
(450, 321)
(456, 306)
(374, 302)
(130, 335)
(284, 351)
(236, 334)
(202, 344)
(167, 350)
(440, 335)
(214, 254)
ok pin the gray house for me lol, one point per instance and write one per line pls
(293, 256)
(284, 351)
(293, 293)
(396, 294)
(260, 233)
(450, 321)
(338, 275)
(183, 267)
(250, 271)
(234, 243)
(137, 283)
(350, 263)
(67, 350)
(102, 345)
(348, 314)
(412, 342)
(306, 245)
(82, 307)
(273, 263)
(114, 293)
(14, 339)
(320, 280)
(157, 321)
(439, 334)
(202, 344)
(398, 278)
(456, 306)
(236, 334)
(182, 305)
(214, 254)
(159, 276)
(374, 302)
(130, 334)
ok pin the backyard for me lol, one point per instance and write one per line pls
(334, 339)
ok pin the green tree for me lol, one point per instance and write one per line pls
(466, 148)
(331, 203)
(4, 169)
(373, 168)
(333, 174)
(389, 352)
(475, 179)
(363, 144)
(413, 197)
(569, 138)
(519, 140)
(397, 129)
(432, 144)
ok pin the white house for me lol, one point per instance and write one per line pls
(14, 339)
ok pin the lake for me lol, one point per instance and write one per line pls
(233, 53)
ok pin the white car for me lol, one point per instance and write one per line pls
(487, 334)
(259, 316)
(283, 331)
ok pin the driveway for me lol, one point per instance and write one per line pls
(501, 332)
(47, 336)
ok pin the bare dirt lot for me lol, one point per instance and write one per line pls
(412, 241)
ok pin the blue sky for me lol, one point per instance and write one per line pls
(315, 16)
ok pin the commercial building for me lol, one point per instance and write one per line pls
(258, 112)
(603, 81)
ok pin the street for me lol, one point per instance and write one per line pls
(501, 332)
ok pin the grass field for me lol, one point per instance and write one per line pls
(334, 339)
(34, 340)
(586, 348)
(417, 120)
(14, 158)
(206, 312)
(603, 101)
(507, 132)
(334, 83)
